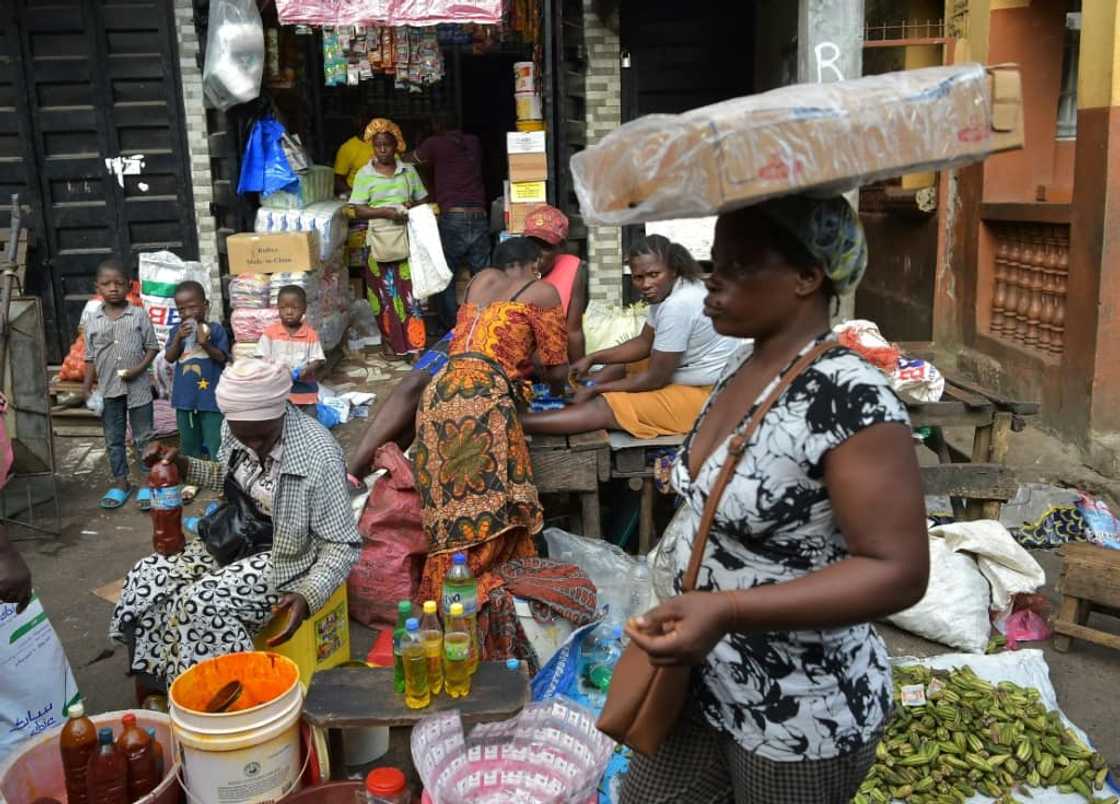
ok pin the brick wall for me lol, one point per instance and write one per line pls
(604, 114)
(197, 143)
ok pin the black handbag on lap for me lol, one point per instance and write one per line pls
(236, 529)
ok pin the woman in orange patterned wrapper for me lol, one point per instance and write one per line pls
(472, 461)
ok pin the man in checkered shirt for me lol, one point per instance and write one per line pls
(178, 610)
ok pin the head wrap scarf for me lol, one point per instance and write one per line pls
(254, 391)
(547, 223)
(830, 231)
(379, 125)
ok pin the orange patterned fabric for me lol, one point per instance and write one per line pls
(510, 332)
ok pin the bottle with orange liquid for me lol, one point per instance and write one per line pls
(107, 772)
(137, 748)
(157, 752)
(77, 743)
(167, 509)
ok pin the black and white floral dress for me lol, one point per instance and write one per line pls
(791, 695)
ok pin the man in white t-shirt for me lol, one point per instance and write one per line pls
(656, 383)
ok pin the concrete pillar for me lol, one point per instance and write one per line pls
(830, 48)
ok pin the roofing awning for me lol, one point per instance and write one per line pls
(388, 12)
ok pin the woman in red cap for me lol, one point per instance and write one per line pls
(548, 226)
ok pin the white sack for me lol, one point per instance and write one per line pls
(1009, 568)
(430, 274)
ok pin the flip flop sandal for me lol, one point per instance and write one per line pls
(189, 493)
(144, 499)
(114, 498)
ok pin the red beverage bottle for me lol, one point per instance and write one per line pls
(77, 743)
(137, 747)
(107, 772)
(167, 509)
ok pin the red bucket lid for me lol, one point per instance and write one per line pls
(384, 781)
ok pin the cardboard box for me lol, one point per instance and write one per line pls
(526, 142)
(528, 192)
(251, 253)
(515, 215)
(528, 167)
(828, 138)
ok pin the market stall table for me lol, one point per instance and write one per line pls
(1088, 583)
(573, 464)
(360, 697)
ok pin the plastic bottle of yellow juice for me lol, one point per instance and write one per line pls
(456, 653)
(415, 659)
(432, 636)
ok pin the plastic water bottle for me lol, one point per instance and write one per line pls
(456, 653)
(601, 651)
(432, 636)
(640, 585)
(459, 586)
(417, 694)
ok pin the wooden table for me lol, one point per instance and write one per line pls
(573, 464)
(357, 697)
(630, 459)
(1090, 581)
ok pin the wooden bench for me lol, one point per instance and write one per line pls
(1090, 581)
(574, 464)
(630, 459)
(358, 697)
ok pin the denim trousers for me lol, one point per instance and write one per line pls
(114, 421)
(466, 238)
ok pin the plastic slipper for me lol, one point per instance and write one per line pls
(144, 499)
(189, 493)
(114, 498)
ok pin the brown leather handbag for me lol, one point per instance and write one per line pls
(644, 702)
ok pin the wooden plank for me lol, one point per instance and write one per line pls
(973, 481)
(629, 461)
(590, 514)
(352, 697)
(1023, 408)
(1067, 629)
(596, 439)
(948, 414)
(559, 470)
(971, 401)
(541, 441)
(645, 518)
(1091, 575)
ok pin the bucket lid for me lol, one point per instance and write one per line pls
(385, 781)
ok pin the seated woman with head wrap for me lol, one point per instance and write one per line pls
(177, 610)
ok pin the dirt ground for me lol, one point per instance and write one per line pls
(77, 573)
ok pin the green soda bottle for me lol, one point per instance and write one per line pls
(404, 611)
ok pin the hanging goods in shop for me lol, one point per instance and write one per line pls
(264, 167)
(826, 138)
(528, 105)
(234, 53)
(524, 77)
(388, 12)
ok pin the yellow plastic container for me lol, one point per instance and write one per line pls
(322, 642)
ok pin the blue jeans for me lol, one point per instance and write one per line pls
(113, 421)
(466, 237)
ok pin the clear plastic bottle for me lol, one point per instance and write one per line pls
(456, 653)
(107, 772)
(432, 635)
(639, 584)
(137, 748)
(415, 658)
(460, 586)
(404, 611)
(77, 743)
(602, 650)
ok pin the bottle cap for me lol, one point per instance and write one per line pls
(459, 558)
(105, 736)
(412, 624)
(151, 732)
(385, 781)
(456, 609)
(404, 607)
(513, 664)
(617, 633)
(429, 607)
(76, 710)
(128, 720)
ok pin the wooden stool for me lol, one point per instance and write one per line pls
(1090, 581)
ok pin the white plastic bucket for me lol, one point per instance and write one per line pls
(240, 757)
(546, 638)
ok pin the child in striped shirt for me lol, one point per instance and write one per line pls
(292, 342)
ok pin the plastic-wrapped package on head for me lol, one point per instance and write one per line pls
(242, 350)
(820, 137)
(249, 325)
(249, 291)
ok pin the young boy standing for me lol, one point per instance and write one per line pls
(200, 349)
(293, 343)
(120, 345)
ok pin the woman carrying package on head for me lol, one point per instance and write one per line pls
(177, 610)
(654, 384)
(819, 530)
(383, 192)
(471, 458)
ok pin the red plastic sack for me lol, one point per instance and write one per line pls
(1027, 621)
(394, 545)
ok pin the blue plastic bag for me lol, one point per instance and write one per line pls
(264, 166)
(328, 416)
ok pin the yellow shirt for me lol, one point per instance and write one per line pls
(353, 155)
